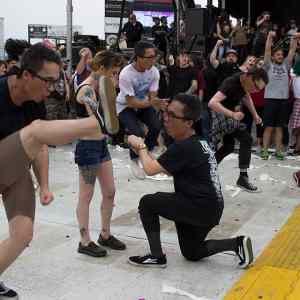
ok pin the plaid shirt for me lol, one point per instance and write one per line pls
(220, 126)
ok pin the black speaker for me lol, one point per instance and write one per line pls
(196, 21)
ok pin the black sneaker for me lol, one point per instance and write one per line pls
(148, 261)
(112, 243)
(243, 183)
(244, 251)
(92, 249)
(107, 109)
(7, 293)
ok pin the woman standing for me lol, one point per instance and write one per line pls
(294, 124)
(94, 161)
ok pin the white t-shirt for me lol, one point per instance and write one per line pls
(137, 84)
(278, 86)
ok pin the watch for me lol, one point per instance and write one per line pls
(142, 146)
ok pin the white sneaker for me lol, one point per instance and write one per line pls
(136, 170)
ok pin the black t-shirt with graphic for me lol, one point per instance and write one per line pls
(13, 117)
(180, 79)
(233, 90)
(193, 165)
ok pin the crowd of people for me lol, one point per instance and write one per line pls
(181, 116)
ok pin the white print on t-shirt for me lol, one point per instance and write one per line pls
(137, 84)
(213, 168)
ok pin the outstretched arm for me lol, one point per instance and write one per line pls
(268, 49)
(293, 48)
(213, 56)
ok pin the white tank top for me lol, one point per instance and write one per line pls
(296, 87)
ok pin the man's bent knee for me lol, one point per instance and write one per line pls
(29, 139)
(145, 203)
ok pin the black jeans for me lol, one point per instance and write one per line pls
(248, 120)
(193, 223)
(245, 140)
(131, 118)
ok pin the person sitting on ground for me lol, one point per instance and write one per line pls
(197, 204)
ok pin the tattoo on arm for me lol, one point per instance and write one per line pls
(88, 98)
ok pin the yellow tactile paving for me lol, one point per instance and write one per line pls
(276, 273)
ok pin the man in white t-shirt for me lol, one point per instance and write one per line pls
(138, 83)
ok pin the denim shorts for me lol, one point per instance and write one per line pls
(91, 152)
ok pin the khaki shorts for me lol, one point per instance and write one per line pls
(16, 184)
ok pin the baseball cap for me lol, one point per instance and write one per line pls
(231, 51)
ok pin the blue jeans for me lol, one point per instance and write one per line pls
(131, 118)
(91, 152)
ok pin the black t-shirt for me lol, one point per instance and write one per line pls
(233, 90)
(211, 83)
(194, 168)
(133, 32)
(225, 70)
(180, 79)
(13, 117)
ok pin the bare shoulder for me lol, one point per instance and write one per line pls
(86, 92)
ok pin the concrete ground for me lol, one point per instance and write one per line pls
(51, 268)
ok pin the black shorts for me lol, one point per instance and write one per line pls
(275, 112)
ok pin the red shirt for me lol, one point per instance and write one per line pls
(258, 98)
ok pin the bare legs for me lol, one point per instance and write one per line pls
(104, 174)
(278, 138)
(56, 132)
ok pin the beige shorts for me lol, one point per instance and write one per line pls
(16, 184)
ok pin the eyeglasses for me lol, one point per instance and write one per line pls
(172, 115)
(51, 83)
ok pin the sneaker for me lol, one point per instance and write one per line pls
(148, 261)
(112, 243)
(244, 251)
(296, 177)
(136, 170)
(243, 183)
(279, 155)
(7, 293)
(107, 108)
(92, 249)
(264, 154)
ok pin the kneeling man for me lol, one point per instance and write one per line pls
(197, 204)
